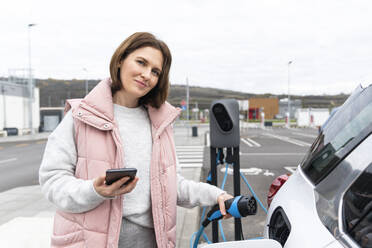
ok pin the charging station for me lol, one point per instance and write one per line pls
(225, 134)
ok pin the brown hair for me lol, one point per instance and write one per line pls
(157, 96)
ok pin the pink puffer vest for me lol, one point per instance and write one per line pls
(99, 148)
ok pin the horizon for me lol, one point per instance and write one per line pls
(198, 86)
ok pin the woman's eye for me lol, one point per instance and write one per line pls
(140, 62)
(156, 73)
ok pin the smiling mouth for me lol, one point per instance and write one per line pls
(141, 83)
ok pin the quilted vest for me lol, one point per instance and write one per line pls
(99, 147)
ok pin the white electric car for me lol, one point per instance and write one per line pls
(327, 202)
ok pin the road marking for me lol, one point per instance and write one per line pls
(7, 160)
(248, 171)
(192, 165)
(21, 145)
(189, 147)
(268, 173)
(190, 156)
(292, 169)
(289, 140)
(254, 142)
(246, 142)
(190, 160)
(190, 152)
(272, 154)
(250, 142)
(306, 135)
(40, 142)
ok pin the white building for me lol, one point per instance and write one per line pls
(311, 117)
(294, 105)
(14, 107)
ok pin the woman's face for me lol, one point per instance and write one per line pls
(140, 71)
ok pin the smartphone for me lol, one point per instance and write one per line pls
(112, 175)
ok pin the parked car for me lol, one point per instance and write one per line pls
(327, 202)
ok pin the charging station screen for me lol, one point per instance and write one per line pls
(222, 117)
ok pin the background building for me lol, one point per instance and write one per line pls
(50, 117)
(269, 106)
(311, 117)
(283, 107)
(14, 107)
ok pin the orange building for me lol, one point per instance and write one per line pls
(270, 106)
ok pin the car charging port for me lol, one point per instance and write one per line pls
(279, 227)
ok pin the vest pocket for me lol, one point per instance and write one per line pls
(96, 168)
(89, 168)
(65, 223)
(67, 239)
(97, 218)
(67, 230)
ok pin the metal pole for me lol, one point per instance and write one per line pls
(86, 81)
(187, 99)
(289, 99)
(237, 221)
(30, 84)
(86, 86)
(214, 182)
(196, 113)
(4, 104)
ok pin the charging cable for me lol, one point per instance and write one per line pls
(238, 207)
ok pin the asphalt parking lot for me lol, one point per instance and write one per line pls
(264, 155)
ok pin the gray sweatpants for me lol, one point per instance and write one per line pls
(133, 235)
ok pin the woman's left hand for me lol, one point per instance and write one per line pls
(221, 202)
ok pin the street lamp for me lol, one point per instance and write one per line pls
(30, 84)
(289, 99)
(86, 81)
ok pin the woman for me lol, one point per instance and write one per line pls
(123, 122)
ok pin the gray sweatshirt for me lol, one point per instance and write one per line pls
(63, 189)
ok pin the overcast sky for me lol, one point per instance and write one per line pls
(238, 44)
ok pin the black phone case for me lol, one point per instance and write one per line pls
(112, 175)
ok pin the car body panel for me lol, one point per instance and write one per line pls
(317, 209)
(301, 213)
(258, 243)
(334, 244)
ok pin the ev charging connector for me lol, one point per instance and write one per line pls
(238, 207)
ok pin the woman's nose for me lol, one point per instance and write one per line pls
(146, 73)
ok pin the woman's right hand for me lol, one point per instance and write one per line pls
(114, 189)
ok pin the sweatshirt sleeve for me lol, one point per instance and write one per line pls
(57, 172)
(191, 193)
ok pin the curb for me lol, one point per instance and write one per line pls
(29, 137)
